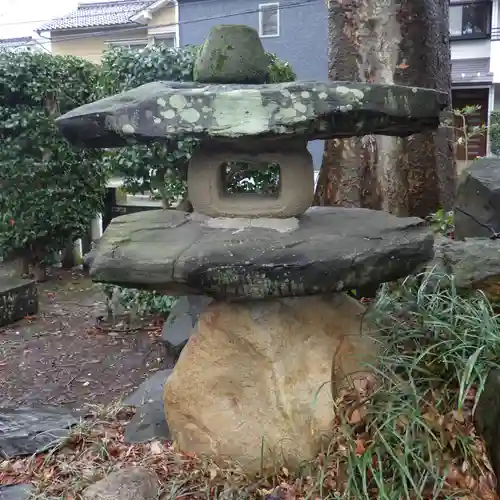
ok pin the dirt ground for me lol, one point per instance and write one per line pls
(61, 358)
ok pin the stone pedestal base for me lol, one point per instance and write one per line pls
(254, 381)
(18, 299)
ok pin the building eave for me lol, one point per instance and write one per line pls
(146, 14)
(92, 29)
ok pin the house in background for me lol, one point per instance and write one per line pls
(93, 27)
(475, 56)
(20, 43)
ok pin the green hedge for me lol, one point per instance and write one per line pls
(494, 131)
(48, 191)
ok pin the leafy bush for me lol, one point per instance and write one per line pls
(146, 303)
(142, 303)
(151, 168)
(494, 131)
(442, 222)
(49, 192)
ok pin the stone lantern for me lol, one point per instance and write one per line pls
(257, 380)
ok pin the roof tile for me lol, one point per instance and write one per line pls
(13, 43)
(104, 13)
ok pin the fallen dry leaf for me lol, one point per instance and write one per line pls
(360, 447)
(156, 448)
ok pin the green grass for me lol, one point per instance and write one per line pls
(437, 349)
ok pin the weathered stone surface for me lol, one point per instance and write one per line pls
(18, 299)
(131, 483)
(150, 390)
(487, 420)
(255, 378)
(473, 263)
(478, 195)
(208, 191)
(148, 423)
(181, 321)
(232, 53)
(17, 492)
(311, 110)
(88, 258)
(325, 250)
(25, 431)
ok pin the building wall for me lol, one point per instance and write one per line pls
(303, 38)
(164, 21)
(496, 101)
(495, 41)
(88, 44)
(163, 16)
(470, 49)
(91, 45)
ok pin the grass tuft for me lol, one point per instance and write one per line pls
(418, 438)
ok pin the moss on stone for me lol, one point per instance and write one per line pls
(232, 53)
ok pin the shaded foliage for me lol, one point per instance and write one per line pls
(494, 130)
(49, 191)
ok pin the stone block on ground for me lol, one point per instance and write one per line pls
(181, 321)
(131, 483)
(25, 431)
(256, 377)
(17, 492)
(150, 390)
(327, 249)
(474, 263)
(18, 299)
(478, 195)
(252, 115)
(487, 420)
(88, 258)
(148, 423)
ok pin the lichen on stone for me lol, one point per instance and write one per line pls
(315, 110)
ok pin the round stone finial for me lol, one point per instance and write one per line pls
(232, 53)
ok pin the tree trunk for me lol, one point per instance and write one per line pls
(364, 37)
(380, 41)
(68, 255)
(426, 62)
(185, 205)
(21, 265)
(40, 272)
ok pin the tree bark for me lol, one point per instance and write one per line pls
(185, 205)
(68, 255)
(426, 62)
(364, 37)
(385, 41)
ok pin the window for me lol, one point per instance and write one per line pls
(269, 19)
(470, 19)
(167, 39)
(130, 44)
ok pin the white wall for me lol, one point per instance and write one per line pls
(470, 49)
(495, 45)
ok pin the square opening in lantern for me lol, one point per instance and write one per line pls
(242, 177)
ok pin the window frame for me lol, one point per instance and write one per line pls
(278, 19)
(129, 43)
(158, 37)
(487, 4)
